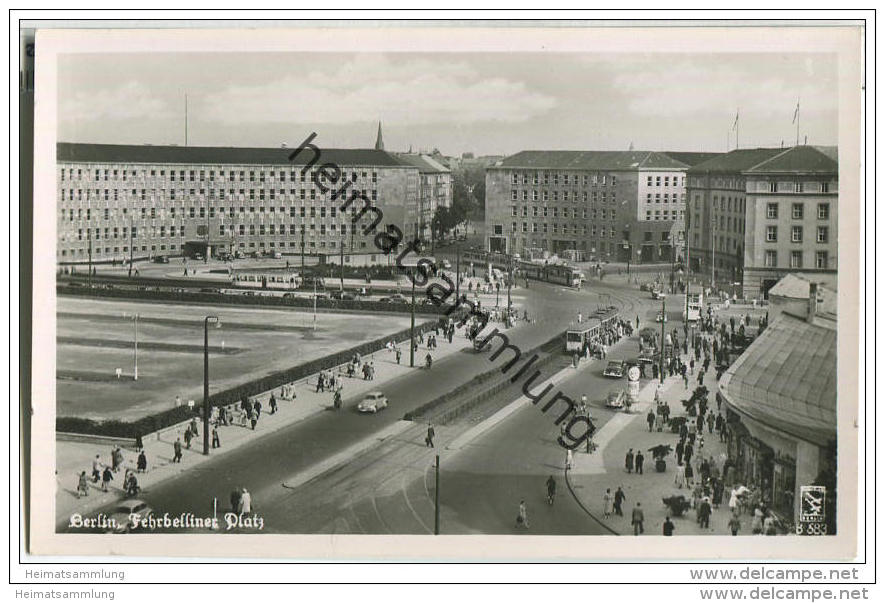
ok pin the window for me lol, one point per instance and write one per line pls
(798, 211)
(797, 187)
(795, 259)
(823, 234)
(771, 212)
(824, 187)
(771, 234)
(770, 258)
(820, 259)
(823, 211)
(772, 187)
(796, 234)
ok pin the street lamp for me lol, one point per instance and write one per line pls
(135, 321)
(412, 325)
(206, 322)
(663, 322)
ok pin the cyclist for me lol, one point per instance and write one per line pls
(551, 490)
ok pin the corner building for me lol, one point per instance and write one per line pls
(593, 205)
(168, 200)
(756, 215)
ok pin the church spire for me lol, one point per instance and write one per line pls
(379, 142)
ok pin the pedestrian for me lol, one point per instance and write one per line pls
(628, 461)
(245, 502)
(710, 422)
(680, 449)
(82, 485)
(689, 474)
(106, 478)
(194, 431)
(216, 442)
(639, 460)
(637, 519)
(138, 442)
(569, 459)
(253, 419)
(679, 480)
(650, 419)
(758, 519)
(703, 513)
(257, 409)
(399, 353)
(689, 452)
(177, 448)
(273, 404)
(141, 465)
(522, 518)
(188, 435)
(607, 499)
(117, 458)
(620, 497)
(668, 527)
(96, 469)
(235, 496)
(734, 524)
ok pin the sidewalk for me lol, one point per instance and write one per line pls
(74, 457)
(605, 468)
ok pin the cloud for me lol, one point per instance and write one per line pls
(129, 100)
(373, 87)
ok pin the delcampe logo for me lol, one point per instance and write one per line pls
(813, 503)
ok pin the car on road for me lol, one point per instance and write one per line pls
(658, 294)
(198, 256)
(372, 402)
(396, 298)
(647, 356)
(616, 399)
(122, 515)
(615, 368)
(661, 317)
(343, 295)
(276, 255)
(161, 259)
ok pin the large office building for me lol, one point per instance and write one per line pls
(596, 205)
(755, 215)
(120, 200)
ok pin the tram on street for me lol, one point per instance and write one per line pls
(580, 334)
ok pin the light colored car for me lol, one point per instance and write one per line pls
(658, 294)
(661, 317)
(373, 402)
(123, 512)
(616, 399)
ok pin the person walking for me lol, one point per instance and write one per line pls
(637, 520)
(650, 419)
(551, 490)
(82, 485)
(106, 478)
(428, 439)
(253, 419)
(680, 449)
(187, 437)
(245, 502)
(679, 479)
(235, 496)
(141, 465)
(668, 527)
(704, 512)
(273, 404)
(177, 449)
(639, 460)
(620, 497)
(399, 353)
(689, 474)
(628, 461)
(734, 524)
(569, 459)
(96, 469)
(607, 500)
(216, 441)
(522, 518)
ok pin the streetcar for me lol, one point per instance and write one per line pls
(580, 335)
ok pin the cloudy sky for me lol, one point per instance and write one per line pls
(489, 103)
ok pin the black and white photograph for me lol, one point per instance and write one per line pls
(448, 281)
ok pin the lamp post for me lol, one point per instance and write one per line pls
(412, 325)
(135, 321)
(457, 272)
(206, 322)
(663, 322)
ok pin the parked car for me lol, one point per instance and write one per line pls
(396, 298)
(276, 255)
(661, 317)
(198, 256)
(161, 259)
(373, 402)
(615, 368)
(658, 294)
(343, 295)
(616, 399)
(122, 515)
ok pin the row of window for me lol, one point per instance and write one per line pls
(173, 232)
(567, 179)
(182, 194)
(83, 252)
(666, 198)
(566, 196)
(563, 228)
(796, 234)
(656, 181)
(200, 175)
(798, 187)
(657, 215)
(821, 259)
(110, 214)
(798, 211)
(604, 214)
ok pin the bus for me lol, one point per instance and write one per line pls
(694, 306)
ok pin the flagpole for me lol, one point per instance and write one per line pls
(797, 122)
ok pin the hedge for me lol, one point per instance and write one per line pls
(173, 416)
(204, 297)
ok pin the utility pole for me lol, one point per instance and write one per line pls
(412, 326)
(303, 273)
(341, 260)
(436, 500)
(457, 273)
(713, 246)
(206, 322)
(314, 303)
(135, 374)
(89, 236)
(663, 322)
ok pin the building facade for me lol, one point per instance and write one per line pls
(120, 200)
(601, 205)
(434, 192)
(755, 215)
